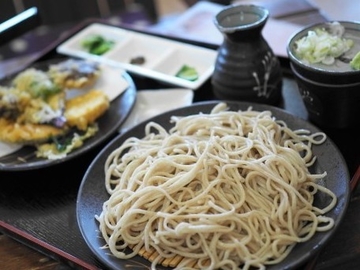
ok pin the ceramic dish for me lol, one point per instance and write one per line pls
(330, 92)
(92, 192)
(341, 66)
(23, 158)
(161, 58)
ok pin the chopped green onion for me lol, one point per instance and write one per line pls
(322, 46)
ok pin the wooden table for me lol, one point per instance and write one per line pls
(14, 255)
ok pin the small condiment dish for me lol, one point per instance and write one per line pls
(145, 55)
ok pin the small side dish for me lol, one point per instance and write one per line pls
(173, 62)
(34, 109)
(325, 61)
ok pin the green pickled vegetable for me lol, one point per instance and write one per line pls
(188, 73)
(97, 44)
(355, 62)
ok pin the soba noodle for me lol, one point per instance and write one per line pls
(228, 190)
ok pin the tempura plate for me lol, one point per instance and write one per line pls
(92, 193)
(25, 158)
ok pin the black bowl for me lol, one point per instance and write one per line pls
(330, 105)
(331, 93)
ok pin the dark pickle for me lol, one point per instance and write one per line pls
(138, 60)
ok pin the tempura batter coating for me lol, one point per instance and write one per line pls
(80, 112)
(28, 133)
(75, 73)
(85, 109)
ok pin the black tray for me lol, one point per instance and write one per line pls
(38, 207)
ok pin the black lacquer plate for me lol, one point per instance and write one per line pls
(92, 192)
(25, 159)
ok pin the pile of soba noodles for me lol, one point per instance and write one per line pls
(224, 190)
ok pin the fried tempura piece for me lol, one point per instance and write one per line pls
(34, 109)
(36, 82)
(28, 133)
(13, 102)
(39, 111)
(85, 109)
(34, 98)
(75, 73)
(80, 112)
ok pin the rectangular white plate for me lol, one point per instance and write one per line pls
(163, 57)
